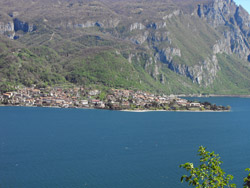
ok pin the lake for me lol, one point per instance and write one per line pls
(46, 147)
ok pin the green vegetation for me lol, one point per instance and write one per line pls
(195, 47)
(234, 76)
(102, 95)
(247, 180)
(75, 44)
(209, 173)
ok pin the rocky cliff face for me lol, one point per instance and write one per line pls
(10, 27)
(235, 37)
(230, 22)
(203, 73)
(217, 12)
(7, 29)
(233, 24)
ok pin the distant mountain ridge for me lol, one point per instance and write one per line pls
(170, 46)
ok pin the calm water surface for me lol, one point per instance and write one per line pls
(44, 147)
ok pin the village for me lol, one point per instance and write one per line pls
(113, 99)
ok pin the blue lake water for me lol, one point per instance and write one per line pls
(45, 147)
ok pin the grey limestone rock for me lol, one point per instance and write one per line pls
(7, 29)
(136, 26)
(166, 55)
(140, 38)
(169, 16)
(203, 73)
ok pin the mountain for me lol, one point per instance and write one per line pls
(170, 46)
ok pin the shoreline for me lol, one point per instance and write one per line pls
(213, 95)
(139, 111)
(136, 111)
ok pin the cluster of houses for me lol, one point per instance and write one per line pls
(114, 99)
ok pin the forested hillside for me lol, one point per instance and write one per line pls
(191, 46)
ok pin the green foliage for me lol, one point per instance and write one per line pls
(105, 68)
(102, 95)
(202, 108)
(247, 179)
(6, 86)
(209, 173)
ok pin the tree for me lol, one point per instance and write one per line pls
(102, 96)
(247, 180)
(209, 173)
(228, 107)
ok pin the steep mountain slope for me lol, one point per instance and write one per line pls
(191, 46)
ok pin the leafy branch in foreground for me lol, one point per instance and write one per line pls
(209, 173)
(247, 180)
